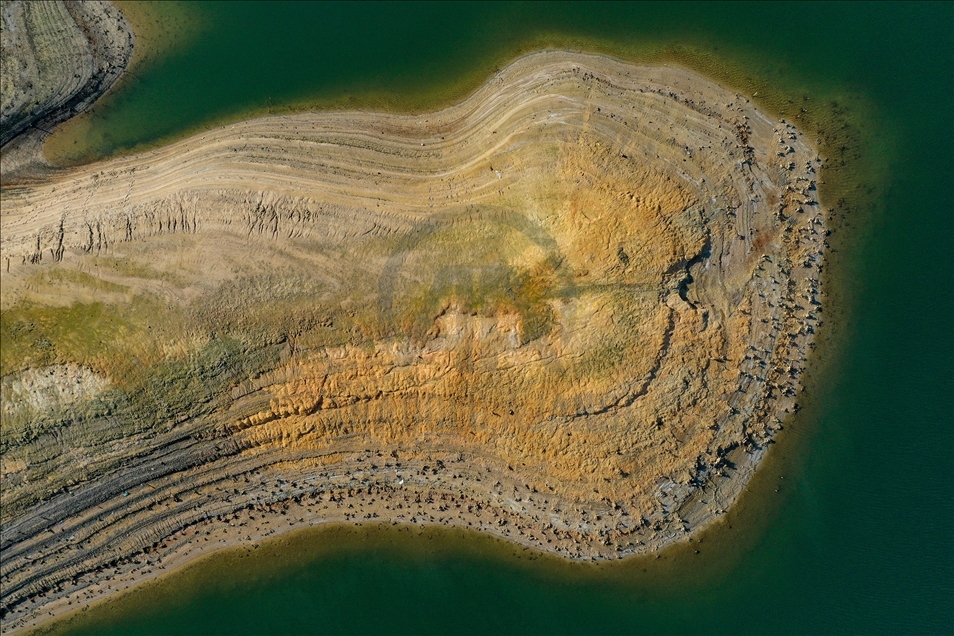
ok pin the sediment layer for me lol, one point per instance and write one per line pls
(58, 58)
(570, 311)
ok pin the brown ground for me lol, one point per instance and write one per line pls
(571, 310)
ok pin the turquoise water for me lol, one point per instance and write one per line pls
(850, 526)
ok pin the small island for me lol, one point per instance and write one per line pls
(571, 311)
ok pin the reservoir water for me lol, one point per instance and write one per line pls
(847, 528)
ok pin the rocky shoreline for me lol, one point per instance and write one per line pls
(661, 242)
(60, 57)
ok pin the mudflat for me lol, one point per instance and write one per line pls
(571, 311)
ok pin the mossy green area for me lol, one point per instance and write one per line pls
(94, 334)
(494, 263)
(160, 376)
(165, 367)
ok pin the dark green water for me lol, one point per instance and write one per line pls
(858, 538)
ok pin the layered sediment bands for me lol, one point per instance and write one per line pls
(571, 310)
(58, 58)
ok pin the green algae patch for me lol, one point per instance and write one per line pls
(94, 334)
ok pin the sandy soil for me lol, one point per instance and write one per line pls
(571, 311)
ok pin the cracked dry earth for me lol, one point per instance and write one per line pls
(570, 311)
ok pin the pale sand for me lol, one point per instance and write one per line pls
(673, 228)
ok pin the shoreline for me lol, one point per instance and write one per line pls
(247, 528)
(108, 43)
(516, 505)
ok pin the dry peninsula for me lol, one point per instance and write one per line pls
(571, 310)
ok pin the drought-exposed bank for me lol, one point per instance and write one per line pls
(571, 311)
(58, 58)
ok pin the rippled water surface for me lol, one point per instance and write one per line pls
(848, 527)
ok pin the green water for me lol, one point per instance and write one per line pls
(849, 528)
